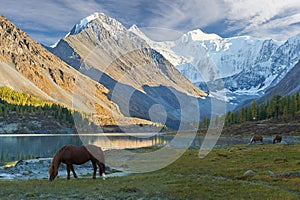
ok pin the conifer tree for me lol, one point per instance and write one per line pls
(254, 109)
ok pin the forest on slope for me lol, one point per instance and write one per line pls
(278, 115)
(23, 113)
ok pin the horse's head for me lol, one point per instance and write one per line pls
(53, 171)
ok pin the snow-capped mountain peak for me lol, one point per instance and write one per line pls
(200, 35)
(80, 26)
(84, 22)
(135, 29)
(107, 22)
(247, 65)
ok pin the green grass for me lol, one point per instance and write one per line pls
(217, 176)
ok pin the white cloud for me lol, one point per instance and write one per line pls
(39, 17)
(262, 19)
(187, 14)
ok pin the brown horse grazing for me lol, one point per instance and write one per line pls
(277, 139)
(256, 138)
(77, 155)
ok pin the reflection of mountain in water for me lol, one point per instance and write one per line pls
(15, 148)
(124, 142)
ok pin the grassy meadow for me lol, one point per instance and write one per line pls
(220, 175)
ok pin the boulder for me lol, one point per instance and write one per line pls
(249, 173)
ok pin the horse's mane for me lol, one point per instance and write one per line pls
(59, 152)
(56, 158)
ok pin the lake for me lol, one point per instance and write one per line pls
(24, 146)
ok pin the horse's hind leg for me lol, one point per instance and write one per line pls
(95, 169)
(68, 171)
(72, 168)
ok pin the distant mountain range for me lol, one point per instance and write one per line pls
(123, 77)
(108, 71)
(28, 67)
(139, 78)
(246, 66)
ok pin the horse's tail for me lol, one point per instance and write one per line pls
(96, 152)
(274, 140)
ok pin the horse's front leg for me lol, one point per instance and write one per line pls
(75, 175)
(95, 169)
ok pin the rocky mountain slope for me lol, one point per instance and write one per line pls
(140, 79)
(27, 66)
(246, 66)
(103, 43)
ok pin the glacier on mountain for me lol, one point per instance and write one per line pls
(247, 66)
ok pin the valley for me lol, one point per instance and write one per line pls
(174, 93)
(120, 76)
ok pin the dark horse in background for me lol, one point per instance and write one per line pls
(257, 138)
(277, 139)
(78, 155)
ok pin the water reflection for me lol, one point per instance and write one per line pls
(19, 147)
(27, 147)
(121, 142)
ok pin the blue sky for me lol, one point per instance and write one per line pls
(48, 20)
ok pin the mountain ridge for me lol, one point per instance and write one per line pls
(247, 66)
(126, 64)
(28, 67)
(107, 35)
(100, 57)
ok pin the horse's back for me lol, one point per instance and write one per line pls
(278, 137)
(256, 138)
(75, 154)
